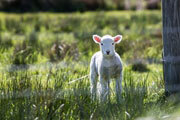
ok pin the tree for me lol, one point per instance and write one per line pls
(171, 43)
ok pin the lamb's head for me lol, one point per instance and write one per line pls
(107, 43)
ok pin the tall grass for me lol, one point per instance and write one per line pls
(47, 94)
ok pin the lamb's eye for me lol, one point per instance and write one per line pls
(101, 43)
(112, 43)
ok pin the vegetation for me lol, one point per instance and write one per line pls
(43, 55)
(76, 5)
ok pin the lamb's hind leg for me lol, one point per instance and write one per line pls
(119, 86)
(93, 82)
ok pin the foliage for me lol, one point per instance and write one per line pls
(75, 5)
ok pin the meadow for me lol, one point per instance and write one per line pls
(44, 66)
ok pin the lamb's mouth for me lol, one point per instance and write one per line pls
(107, 52)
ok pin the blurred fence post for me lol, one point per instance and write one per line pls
(171, 44)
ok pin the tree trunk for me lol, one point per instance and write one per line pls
(171, 43)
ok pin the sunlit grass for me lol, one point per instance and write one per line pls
(25, 87)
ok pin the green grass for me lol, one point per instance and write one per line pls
(36, 74)
(140, 30)
(46, 94)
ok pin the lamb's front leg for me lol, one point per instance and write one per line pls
(104, 89)
(119, 86)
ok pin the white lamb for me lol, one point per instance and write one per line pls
(106, 64)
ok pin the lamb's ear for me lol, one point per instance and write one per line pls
(117, 38)
(97, 38)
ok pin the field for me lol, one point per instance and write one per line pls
(44, 66)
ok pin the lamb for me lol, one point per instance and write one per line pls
(106, 64)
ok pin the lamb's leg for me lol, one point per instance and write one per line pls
(119, 86)
(93, 82)
(104, 91)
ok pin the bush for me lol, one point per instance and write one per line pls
(5, 41)
(140, 67)
(61, 50)
(24, 54)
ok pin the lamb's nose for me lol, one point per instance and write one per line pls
(107, 52)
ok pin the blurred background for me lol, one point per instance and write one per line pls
(45, 30)
(76, 5)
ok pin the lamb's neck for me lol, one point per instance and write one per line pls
(108, 58)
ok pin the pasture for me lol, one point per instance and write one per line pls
(44, 66)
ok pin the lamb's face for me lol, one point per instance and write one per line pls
(107, 46)
(107, 43)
